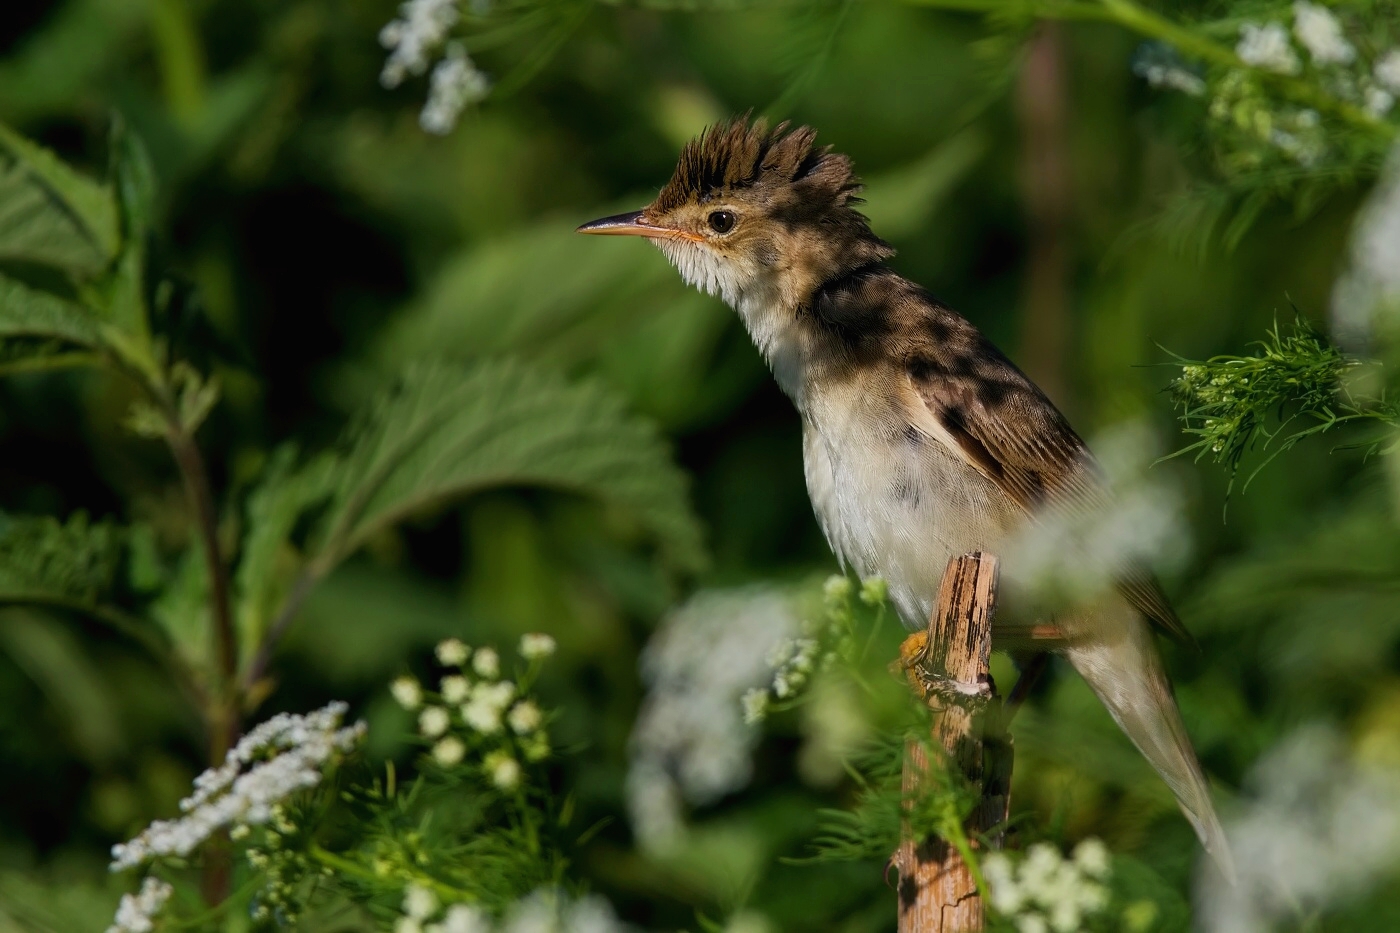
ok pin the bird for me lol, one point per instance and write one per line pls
(921, 440)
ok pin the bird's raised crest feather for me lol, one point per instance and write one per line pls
(747, 153)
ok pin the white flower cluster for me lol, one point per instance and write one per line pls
(421, 910)
(549, 911)
(486, 707)
(1077, 553)
(544, 911)
(137, 912)
(412, 38)
(422, 27)
(1158, 65)
(281, 756)
(1369, 290)
(795, 660)
(1320, 829)
(690, 741)
(1267, 47)
(1046, 891)
(1320, 33)
(456, 82)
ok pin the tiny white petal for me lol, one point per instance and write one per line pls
(451, 652)
(406, 692)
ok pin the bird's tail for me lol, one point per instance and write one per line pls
(1121, 664)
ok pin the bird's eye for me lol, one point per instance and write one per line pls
(721, 221)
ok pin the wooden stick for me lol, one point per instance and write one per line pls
(949, 668)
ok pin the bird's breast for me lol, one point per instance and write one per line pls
(891, 500)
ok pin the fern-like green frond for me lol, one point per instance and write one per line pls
(1295, 386)
(445, 431)
(45, 560)
(50, 214)
(29, 312)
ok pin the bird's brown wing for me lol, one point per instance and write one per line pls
(986, 410)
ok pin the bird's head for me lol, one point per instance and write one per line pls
(756, 210)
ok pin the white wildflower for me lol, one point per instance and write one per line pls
(1378, 101)
(1046, 891)
(1092, 857)
(487, 705)
(406, 692)
(504, 770)
(463, 918)
(1007, 896)
(525, 717)
(874, 590)
(449, 751)
(279, 757)
(1073, 557)
(487, 663)
(755, 705)
(136, 912)
(451, 652)
(1321, 34)
(550, 911)
(433, 721)
(1158, 64)
(1387, 71)
(1267, 47)
(456, 82)
(482, 717)
(1318, 828)
(836, 588)
(420, 28)
(1370, 287)
(690, 741)
(419, 902)
(454, 688)
(536, 645)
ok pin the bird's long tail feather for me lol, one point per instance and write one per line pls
(1121, 664)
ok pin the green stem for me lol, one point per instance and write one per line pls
(355, 870)
(224, 716)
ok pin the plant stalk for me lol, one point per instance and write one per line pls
(222, 713)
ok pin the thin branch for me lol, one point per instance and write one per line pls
(300, 590)
(196, 480)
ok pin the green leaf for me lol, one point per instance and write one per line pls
(268, 562)
(50, 214)
(446, 431)
(182, 610)
(29, 312)
(81, 700)
(127, 305)
(493, 299)
(135, 177)
(68, 561)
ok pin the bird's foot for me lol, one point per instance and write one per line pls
(938, 690)
(943, 692)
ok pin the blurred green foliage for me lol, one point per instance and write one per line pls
(286, 229)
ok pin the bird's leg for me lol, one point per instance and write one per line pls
(1030, 673)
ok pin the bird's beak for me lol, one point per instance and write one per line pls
(632, 223)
